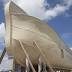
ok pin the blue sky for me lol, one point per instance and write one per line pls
(62, 23)
(57, 13)
(1, 11)
(63, 26)
(1, 25)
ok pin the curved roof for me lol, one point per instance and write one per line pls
(22, 23)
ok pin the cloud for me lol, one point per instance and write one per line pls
(2, 30)
(6, 64)
(36, 8)
(6, 1)
(1, 52)
(2, 35)
(71, 48)
(53, 12)
(59, 9)
(32, 7)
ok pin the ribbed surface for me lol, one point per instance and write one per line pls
(28, 29)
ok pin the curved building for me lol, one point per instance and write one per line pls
(27, 36)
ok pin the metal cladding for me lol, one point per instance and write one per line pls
(30, 30)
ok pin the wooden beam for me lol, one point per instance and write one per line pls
(27, 56)
(43, 56)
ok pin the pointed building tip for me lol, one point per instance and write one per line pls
(14, 8)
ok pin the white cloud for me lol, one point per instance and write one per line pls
(59, 9)
(53, 12)
(6, 64)
(2, 35)
(36, 8)
(2, 30)
(71, 48)
(32, 7)
(68, 2)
